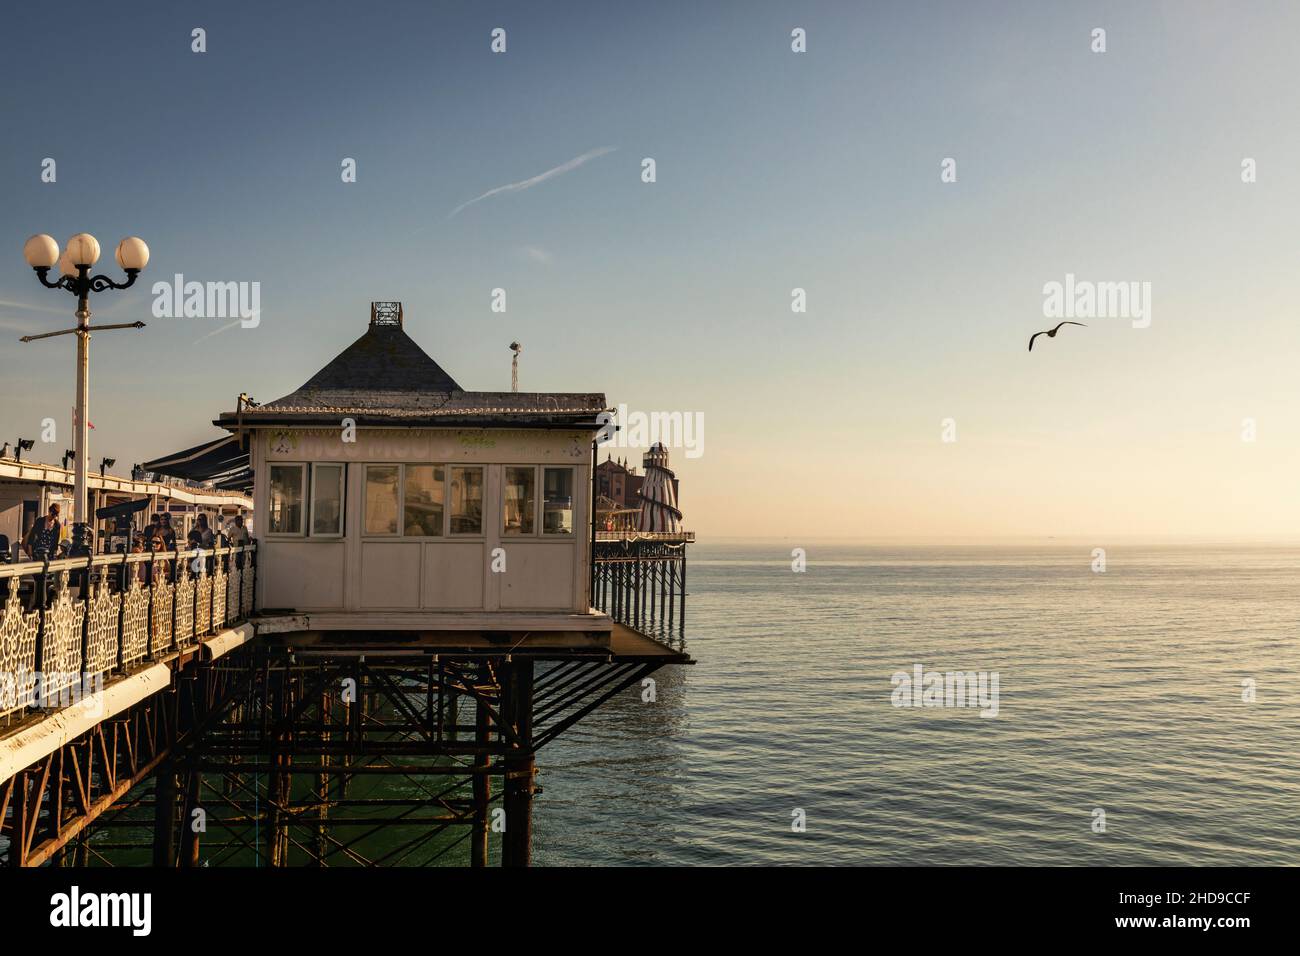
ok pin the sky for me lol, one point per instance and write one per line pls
(775, 170)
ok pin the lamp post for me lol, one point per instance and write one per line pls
(42, 254)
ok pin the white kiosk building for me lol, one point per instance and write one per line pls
(391, 498)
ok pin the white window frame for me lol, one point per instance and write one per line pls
(306, 499)
(446, 479)
(572, 533)
(537, 506)
(365, 503)
(482, 520)
(447, 534)
(343, 500)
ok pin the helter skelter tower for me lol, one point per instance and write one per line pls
(658, 499)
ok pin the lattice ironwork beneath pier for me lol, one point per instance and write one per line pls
(354, 757)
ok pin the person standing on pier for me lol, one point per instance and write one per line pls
(162, 569)
(41, 544)
(167, 531)
(43, 540)
(201, 538)
(138, 547)
(205, 533)
(237, 537)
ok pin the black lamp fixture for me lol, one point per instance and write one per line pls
(74, 264)
(24, 444)
(105, 464)
(68, 455)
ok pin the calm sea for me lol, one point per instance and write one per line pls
(1119, 691)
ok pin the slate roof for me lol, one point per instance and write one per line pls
(384, 377)
(385, 358)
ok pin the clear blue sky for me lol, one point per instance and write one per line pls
(775, 170)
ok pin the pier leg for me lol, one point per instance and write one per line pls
(664, 567)
(516, 847)
(323, 782)
(277, 797)
(616, 600)
(681, 622)
(279, 782)
(453, 711)
(482, 784)
(164, 817)
(22, 818)
(189, 838)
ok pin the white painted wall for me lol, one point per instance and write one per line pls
(366, 573)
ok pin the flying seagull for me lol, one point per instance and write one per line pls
(1050, 333)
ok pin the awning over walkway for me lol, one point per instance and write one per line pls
(222, 461)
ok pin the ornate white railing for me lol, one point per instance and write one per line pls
(66, 624)
(687, 537)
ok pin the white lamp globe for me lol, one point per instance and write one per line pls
(132, 253)
(83, 249)
(41, 251)
(66, 267)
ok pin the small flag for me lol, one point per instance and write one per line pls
(89, 423)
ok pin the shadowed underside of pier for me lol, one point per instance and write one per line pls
(356, 753)
(323, 749)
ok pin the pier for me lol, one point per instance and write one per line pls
(424, 607)
(111, 669)
(177, 697)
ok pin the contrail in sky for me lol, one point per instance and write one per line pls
(225, 328)
(559, 170)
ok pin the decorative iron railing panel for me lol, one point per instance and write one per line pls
(246, 587)
(103, 621)
(135, 620)
(184, 633)
(59, 656)
(233, 575)
(640, 581)
(218, 592)
(160, 625)
(19, 632)
(66, 625)
(202, 604)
